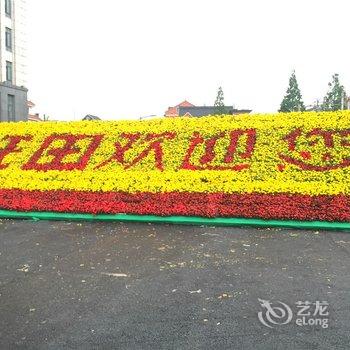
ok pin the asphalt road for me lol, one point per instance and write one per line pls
(67, 285)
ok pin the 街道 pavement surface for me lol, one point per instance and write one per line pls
(69, 285)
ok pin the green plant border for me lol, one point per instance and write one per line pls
(180, 220)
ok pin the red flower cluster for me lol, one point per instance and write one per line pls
(263, 206)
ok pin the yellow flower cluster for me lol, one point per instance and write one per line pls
(306, 153)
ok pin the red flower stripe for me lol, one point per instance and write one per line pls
(264, 206)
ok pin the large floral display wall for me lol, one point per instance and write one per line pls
(271, 166)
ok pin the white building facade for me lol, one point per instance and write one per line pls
(13, 56)
(13, 42)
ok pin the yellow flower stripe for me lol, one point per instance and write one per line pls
(305, 153)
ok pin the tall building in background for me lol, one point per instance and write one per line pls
(13, 69)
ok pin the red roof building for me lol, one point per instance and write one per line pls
(33, 117)
(174, 111)
(187, 109)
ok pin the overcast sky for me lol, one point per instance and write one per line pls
(129, 58)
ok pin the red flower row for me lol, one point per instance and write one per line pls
(264, 206)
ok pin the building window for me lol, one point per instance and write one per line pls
(9, 72)
(8, 39)
(11, 116)
(8, 8)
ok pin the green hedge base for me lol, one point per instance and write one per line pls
(179, 220)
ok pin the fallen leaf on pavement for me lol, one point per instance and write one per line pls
(114, 274)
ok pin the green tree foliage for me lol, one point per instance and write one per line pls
(219, 103)
(292, 101)
(335, 99)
